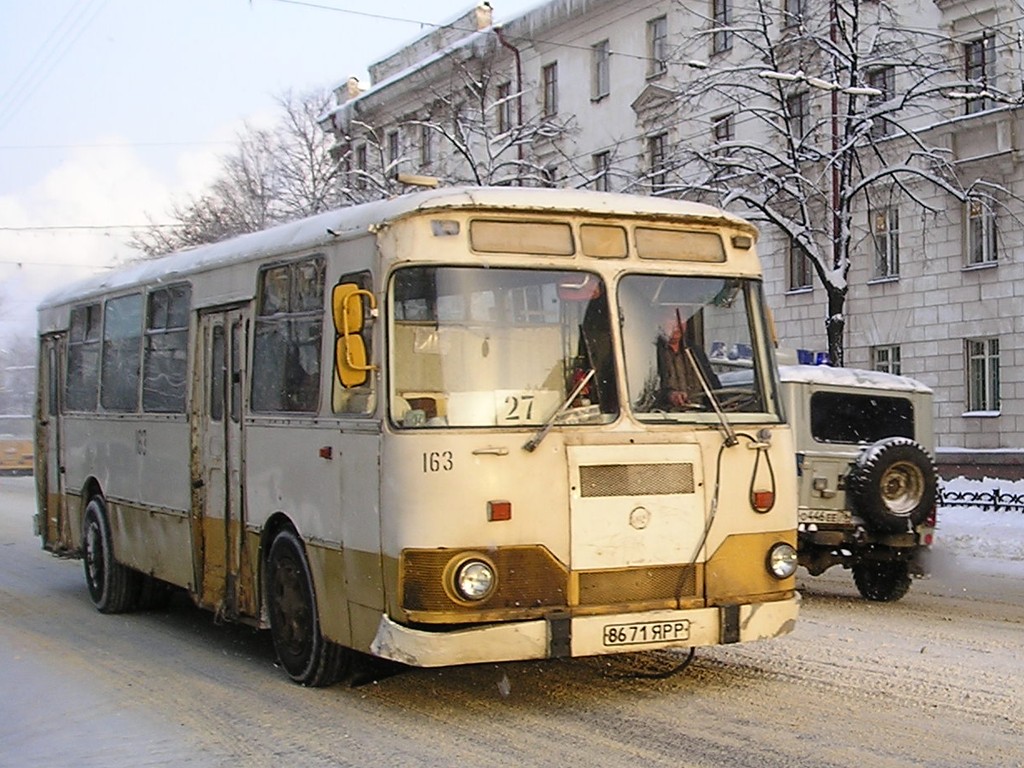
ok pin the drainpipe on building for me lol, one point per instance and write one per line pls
(519, 98)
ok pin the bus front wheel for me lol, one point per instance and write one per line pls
(114, 588)
(307, 657)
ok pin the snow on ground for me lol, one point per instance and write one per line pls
(977, 532)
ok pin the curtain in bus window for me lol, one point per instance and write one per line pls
(165, 363)
(83, 374)
(288, 333)
(122, 354)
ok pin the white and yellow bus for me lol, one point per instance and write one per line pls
(460, 426)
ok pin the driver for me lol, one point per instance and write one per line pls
(679, 381)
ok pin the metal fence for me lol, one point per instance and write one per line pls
(995, 500)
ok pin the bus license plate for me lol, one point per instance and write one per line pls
(646, 632)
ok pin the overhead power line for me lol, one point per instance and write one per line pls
(118, 145)
(57, 45)
(87, 227)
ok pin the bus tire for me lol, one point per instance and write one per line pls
(307, 657)
(883, 581)
(113, 587)
(894, 485)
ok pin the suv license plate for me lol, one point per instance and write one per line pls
(646, 632)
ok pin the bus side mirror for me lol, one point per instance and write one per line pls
(348, 309)
(350, 360)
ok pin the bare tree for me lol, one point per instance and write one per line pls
(273, 176)
(472, 128)
(838, 102)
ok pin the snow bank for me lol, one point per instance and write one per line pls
(973, 531)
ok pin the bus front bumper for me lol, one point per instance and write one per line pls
(564, 636)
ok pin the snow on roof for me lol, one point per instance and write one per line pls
(471, 44)
(355, 220)
(849, 377)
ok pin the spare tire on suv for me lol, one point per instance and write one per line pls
(893, 484)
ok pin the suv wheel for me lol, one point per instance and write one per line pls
(893, 485)
(882, 581)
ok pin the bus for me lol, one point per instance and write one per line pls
(463, 425)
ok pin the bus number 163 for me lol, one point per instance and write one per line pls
(437, 461)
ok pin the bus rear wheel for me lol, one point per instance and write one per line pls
(113, 588)
(307, 657)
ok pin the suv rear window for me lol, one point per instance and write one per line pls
(837, 417)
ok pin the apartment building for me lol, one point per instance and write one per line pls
(660, 97)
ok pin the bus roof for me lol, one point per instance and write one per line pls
(356, 220)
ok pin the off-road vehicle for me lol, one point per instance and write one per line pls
(867, 480)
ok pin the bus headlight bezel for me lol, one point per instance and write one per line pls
(781, 561)
(472, 579)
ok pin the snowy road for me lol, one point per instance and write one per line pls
(934, 680)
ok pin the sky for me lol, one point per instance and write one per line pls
(110, 110)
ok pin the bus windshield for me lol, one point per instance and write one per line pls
(690, 345)
(485, 347)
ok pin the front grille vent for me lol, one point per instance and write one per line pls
(635, 479)
(637, 585)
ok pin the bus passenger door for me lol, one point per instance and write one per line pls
(225, 577)
(54, 526)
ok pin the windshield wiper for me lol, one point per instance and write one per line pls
(730, 433)
(533, 442)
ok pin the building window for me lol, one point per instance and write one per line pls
(798, 106)
(426, 145)
(981, 233)
(723, 131)
(721, 20)
(359, 179)
(657, 156)
(982, 374)
(602, 166)
(980, 71)
(883, 80)
(885, 231)
(549, 76)
(600, 66)
(887, 359)
(504, 108)
(799, 267)
(657, 46)
(793, 12)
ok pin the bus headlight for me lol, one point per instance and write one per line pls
(782, 560)
(474, 580)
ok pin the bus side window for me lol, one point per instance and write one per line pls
(121, 367)
(359, 398)
(217, 374)
(82, 384)
(288, 332)
(165, 353)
